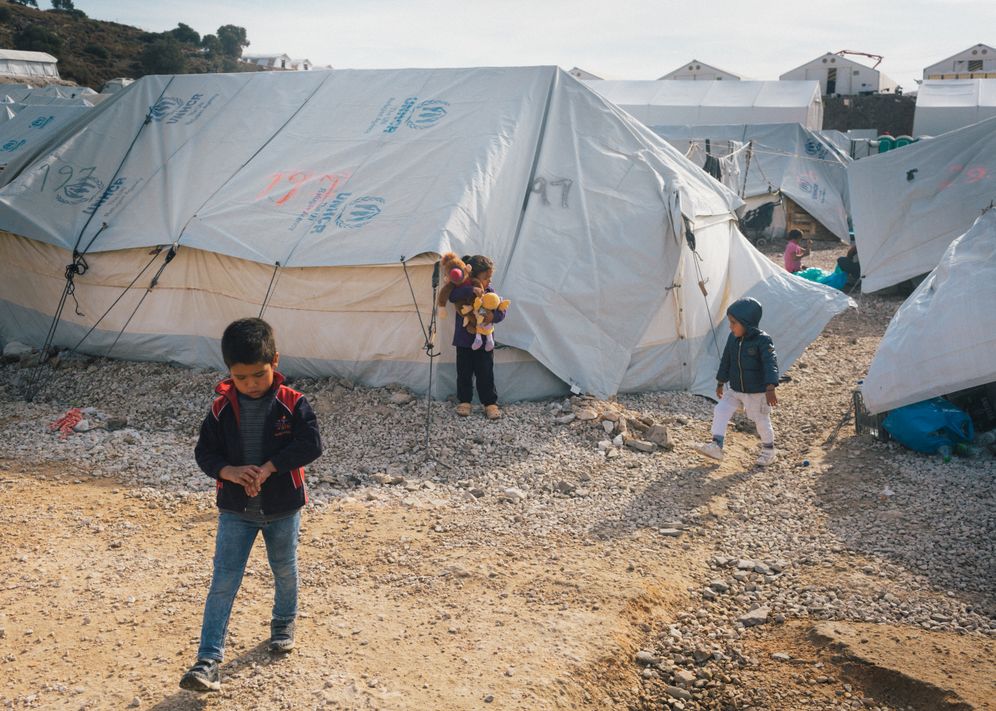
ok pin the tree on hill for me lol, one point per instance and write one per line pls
(233, 39)
(164, 56)
(63, 5)
(211, 43)
(35, 38)
(186, 34)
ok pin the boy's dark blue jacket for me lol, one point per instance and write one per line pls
(290, 441)
(749, 364)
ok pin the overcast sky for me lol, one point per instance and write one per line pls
(623, 39)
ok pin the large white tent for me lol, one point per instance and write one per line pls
(687, 103)
(299, 195)
(943, 338)
(766, 159)
(908, 204)
(943, 106)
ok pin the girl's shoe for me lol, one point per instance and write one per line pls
(492, 412)
(767, 456)
(489, 343)
(711, 450)
(463, 409)
(478, 342)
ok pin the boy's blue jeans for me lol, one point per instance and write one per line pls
(232, 546)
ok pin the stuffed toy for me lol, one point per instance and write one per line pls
(482, 330)
(457, 273)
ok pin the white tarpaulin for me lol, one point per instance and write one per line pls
(943, 106)
(907, 205)
(943, 338)
(785, 158)
(305, 190)
(24, 133)
(708, 103)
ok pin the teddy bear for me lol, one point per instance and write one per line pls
(457, 273)
(483, 329)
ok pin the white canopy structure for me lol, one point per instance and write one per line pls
(943, 338)
(908, 205)
(18, 63)
(943, 106)
(686, 103)
(784, 158)
(313, 197)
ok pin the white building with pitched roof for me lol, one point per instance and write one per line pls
(840, 76)
(977, 62)
(700, 71)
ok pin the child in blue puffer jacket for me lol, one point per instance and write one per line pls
(750, 366)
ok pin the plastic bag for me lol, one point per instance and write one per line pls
(837, 279)
(812, 274)
(929, 425)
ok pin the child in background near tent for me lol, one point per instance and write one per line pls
(477, 364)
(750, 366)
(255, 441)
(794, 252)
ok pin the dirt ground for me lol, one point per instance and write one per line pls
(102, 593)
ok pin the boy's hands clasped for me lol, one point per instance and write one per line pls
(248, 476)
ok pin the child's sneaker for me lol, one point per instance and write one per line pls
(203, 676)
(711, 450)
(489, 343)
(281, 637)
(492, 412)
(767, 456)
(463, 409)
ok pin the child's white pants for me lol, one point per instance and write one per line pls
(755, 405)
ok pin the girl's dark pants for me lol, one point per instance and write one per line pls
(479, 364)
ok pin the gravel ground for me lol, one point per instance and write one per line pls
(865, 532)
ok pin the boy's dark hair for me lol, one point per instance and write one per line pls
(479, 264)
(795, 234)
(248, 340)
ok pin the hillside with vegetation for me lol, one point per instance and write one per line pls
(92, 51)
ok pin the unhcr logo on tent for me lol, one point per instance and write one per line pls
(164, 107)
(12, 145)
(80, 191)
(170, 109)
(411, 113)
(360, 212)
(427, 114)
(815, 148)
(42, 121)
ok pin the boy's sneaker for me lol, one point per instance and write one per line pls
(711, 450)
(463, 409)
(767, 456)
(203, 676)
(281, 637)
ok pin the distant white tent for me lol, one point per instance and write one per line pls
(945, 105)
(303, 194)
(785, 158)
(908, 205)
(708, 103)
(943, 338)
(18, 63)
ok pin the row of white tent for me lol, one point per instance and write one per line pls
(185, 202)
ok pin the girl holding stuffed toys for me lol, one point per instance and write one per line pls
(468, 280)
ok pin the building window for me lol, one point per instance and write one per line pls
(975, 65)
